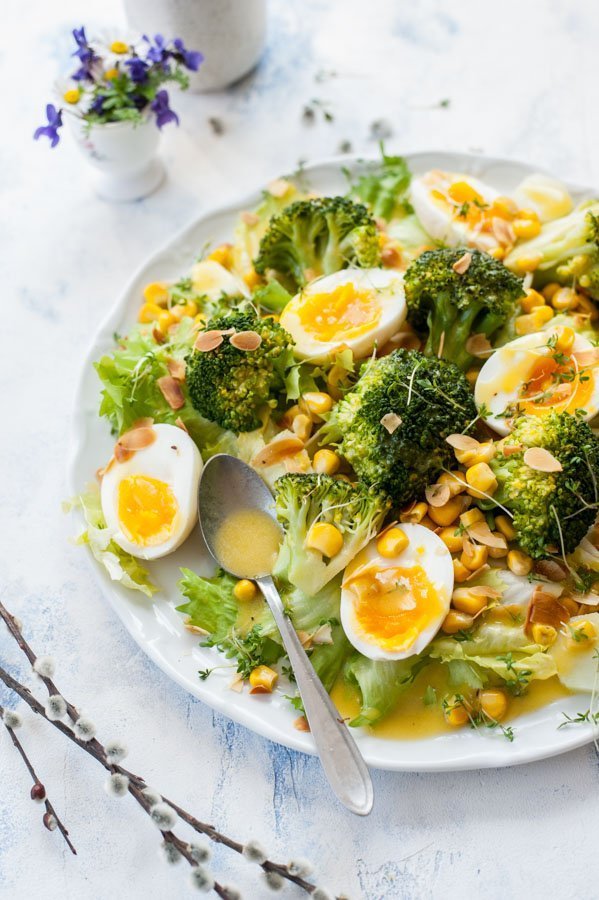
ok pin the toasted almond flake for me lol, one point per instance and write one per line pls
(277, 451)
(246, 340)
(195, 629)
(510, 449)
(170, 389)
(462, 264)
(249, 218)
(301, 724)
(135, 439)
(478, 345)
(586, 357)
(236, 684)
(278, 187)
(121, 455)
(391, 422)
(589, 599)
(437, 494)
(208, 340)
(406, 340)
(482, 534)
(181, 424)
(305, 638)
(462, 442)
(158, 335)
(485, 590)
(551, 569)
(145, 422)
(503, 231)
(323, 635)
(176, 368)
(479, 571)
(541, 460)
(101, 472)
(441, 345)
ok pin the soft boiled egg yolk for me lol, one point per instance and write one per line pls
(532, 375)
(354, 308)
(391, 608)
(147, 509)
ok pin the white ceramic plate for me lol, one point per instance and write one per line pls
(158, 628)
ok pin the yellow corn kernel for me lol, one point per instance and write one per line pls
(262, 680)
(392, 542)
(148, 313)
(550, 289)
(73, 95)
(111, 74)
(587, 306)
(460, 572)
(200, 318)
(156, 292)
(543, 634)
(498, 252)
(525, 264)
(526, 228)
(455, 481)
(251, 278)
(245, 590)
(428, 523)
(472, 376)
(302, 426)
(452, 541)
(222, 255)
(493, 703)
(497, 552)
(317, 402)
(326, 462)
(484, 453)
(464, 600)
(534, 321)
(455, 712)
(414, 513)
(448, 513)
(164, 321)
(119, 47)
(582, 633)
(519, 563)
(471, 516)
(565, 298)
(325, 538)
(456, 621)
(565, 340)
(505, 207)
(473, 555)
(532, 300)
(481, 479)
(504, 525)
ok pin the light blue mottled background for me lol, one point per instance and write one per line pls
(522, 78)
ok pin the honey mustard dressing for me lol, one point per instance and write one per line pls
(247, 543)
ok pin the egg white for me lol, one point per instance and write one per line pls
(212, 280)
(387, 287)
(438, 217)
(425, 549)
(503, 374)
(174, 459)
(577, 662)
(547, 196)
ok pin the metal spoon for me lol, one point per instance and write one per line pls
(228, 486)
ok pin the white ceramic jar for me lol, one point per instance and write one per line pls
(230, 34)
(123, 155)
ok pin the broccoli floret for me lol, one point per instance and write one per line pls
(236, 387)
(301, 500)
(422, 400)
(318, 237)
(568, 249)
(552, 511)
(454, 306)
(251, 228)
(384, 187)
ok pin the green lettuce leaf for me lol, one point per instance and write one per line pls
(381, 683)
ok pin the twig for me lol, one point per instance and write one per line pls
(51, 819)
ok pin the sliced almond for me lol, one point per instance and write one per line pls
(277, 451)
(249, 218)
(589, 599)
(478, 345)
(406, 340)
(391, 422)
(586, 357)
(195, 629)
(503, 231)
(482, 534)
(305, 639)
(246, 340)
(301, 724)
(551, 569)
(485, 590)
(170, 389)
(236, 684)
(323, 635)
(484, 568)
(176, 368)
(462, 442)
(120, 454)
(541, 460)
(208, 340)
(278, 187)
(462, 264)
(181, 424)
(437, 494)
(158, 335)
(510, 449)
(136, 439)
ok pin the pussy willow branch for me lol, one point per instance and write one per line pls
(50, 810)
(136, 784)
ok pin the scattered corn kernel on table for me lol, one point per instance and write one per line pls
(517, 81)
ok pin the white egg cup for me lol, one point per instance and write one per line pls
(123, 155)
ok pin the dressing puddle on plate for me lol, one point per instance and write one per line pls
(247, 543)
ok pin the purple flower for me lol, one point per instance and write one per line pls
(138, 69)
(80, 40)
(98, 105)
(191, 59)
(164, 114)
(50, 130)
(85, 54)
(158, 52)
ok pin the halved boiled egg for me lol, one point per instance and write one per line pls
(392, 607)
(356, 308)
(150, 499)
(459, 209)
(551, 371)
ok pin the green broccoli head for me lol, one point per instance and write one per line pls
(235, 387)
(452, 306)
(422, 400)
(551, 510)
(301, 500)
(568, 249)
(318, 237)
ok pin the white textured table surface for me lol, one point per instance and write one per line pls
(522, 81)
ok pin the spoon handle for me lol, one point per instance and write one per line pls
(341, 760)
